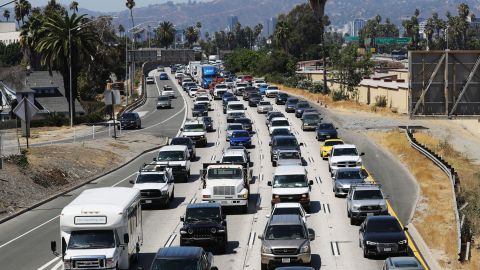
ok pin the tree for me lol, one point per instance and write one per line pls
(165, 34)
(198, 25)
(74, 6)
(191, 34)
(53, 7)
(56, 50)
(6, 14)
(121, 29)
(257, 30)
(282, 34)
(130, 5)
(22, 9)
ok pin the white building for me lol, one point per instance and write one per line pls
(9, 33)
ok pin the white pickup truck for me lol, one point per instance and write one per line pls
(227, 184)
(344, 156)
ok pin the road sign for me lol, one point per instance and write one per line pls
(352, 39)
(20, 110)
(107, 97)
(393, 41)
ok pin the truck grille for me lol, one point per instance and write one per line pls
(285, 251)
(346, 164)
(202, 232)
(89, 263)
(290, 198)
(148, 193)
(369, 208)
(229, 190)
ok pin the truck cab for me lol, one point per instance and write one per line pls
(156, 185)
(290, 184)
(227, 184)
(176, 157)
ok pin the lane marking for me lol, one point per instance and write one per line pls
(58, 266)
(326, 208)
(193, 200)
(335, 249)
(48, 263)
(170, 240)
(251, 239)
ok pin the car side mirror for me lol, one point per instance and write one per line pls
(310, 182)
(267, 216)
(269, 183)
(182, 219)
(53, 246)
(154, 159)
(301, 144)
(126, 239)
(260, 236)
(405, 228)
(362, 154)
(311, 234)
(131, 182)
(270, 144)
(308, 215)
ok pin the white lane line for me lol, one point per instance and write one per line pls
(58, 266)
(326, 208)
(335, 248)
(316, 179)
(193, 200)
(170, 240)
(48, 263)
(156, 84)
(48, 221)
(251, 239)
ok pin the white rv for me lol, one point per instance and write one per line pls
(101, 229)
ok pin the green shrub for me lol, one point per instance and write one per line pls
(381, 101)
(339, 95)
(90, 118)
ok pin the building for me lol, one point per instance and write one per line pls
(266, 28)
(356, 26)
(9, 33)
(273, 25)
(474, 25)
(231, 22)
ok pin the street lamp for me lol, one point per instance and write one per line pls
(70, 60)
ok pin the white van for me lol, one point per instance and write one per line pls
(101, 229)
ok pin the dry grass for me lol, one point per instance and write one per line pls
(434, 215)
(344, 105)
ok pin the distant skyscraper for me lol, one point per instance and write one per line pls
(266, 28)
(273, 25)
(232, 21)
(357, 25)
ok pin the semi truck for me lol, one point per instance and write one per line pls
(205, 75)
(101, 229)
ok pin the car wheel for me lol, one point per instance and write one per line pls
(365, 253)
(274, 163)
(172, 196)
(348, 214)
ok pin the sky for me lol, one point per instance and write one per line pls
(105, 5)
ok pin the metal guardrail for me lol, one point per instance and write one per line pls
(463, 242)
(137, 103)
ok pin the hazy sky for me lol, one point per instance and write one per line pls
(106, 5)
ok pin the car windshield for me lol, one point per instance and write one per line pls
(242, 120)
(349, 175)
(302, 105)
(287, 211)
(163, 98)
(280, 123)
(235, 127)
(272, 88)
(226, 173)
(383, 226)
(195, 214)
(240, 134)
(280, 131)
(285, 181)
(288, 142)
(207, 119)
(177, 264)
(170, 156)
(235, 107)
(264, 103)
(199, 107)
(242, 85)
(289, 155)
(332, 143)
(129, 116)
(292, 101)
(91, 239)
(233, 159)
(367, 195)
(181, 141)
(345, 152)
(326, 126)
(202, 99)
(311, 117)
(193, 127)
(150, 178)
(285, 232)
(282, 95)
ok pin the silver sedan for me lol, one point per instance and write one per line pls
(264, 107)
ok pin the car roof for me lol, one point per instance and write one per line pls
(179, 252)
(285, 220)
(234, 102)
(233, 153)
(173, 148)
(288, 205)
(344, 146)
(240, 131)
(352, 169)
(290, 170)
(203, 205)
(287, 151)
(279, 137)
(366, 187)
(242, 119)
(278, 118)
(181, 139)
(382, 217)
(404, 262)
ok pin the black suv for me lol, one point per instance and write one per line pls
(204, 225)
(180, 258)
(383, 235)
(281, 98)
(130, 120)
(199, 110)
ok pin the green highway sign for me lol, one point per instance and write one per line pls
(393, 41)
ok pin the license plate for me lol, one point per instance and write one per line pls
(369, 214)
(223, 202)
(285, 260)
(148, 201)
(328, 137)
(387, 249)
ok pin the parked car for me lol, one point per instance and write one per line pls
(241, 137)
(382, 235)
(168, 258)
(326, 147)
(164, 102)
(326, 131)
(163, 76)
(344, 178)
(130, 120)
(281, 98)
(189, 143)
(264, 107)
(402, 263)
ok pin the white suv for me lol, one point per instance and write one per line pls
(344, 156)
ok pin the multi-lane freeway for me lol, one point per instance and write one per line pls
(24, 240)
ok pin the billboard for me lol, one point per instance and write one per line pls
(444, 84)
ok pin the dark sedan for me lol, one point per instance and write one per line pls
(281, 98)
(290, 104)
(199, 110)
(326, 131)
(246, 123)
(300, 107)
(130, 120)
(383, 235)
(208, 123)
(254, 99)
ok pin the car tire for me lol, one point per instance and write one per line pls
(264, 266)
(172, 196)
(348, 214)
(352, 220)
(274, 163)
(365, 254)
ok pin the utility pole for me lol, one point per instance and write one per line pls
(113, 116)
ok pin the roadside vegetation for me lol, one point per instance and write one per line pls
(434, 216)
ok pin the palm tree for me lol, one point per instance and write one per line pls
(121, 29)
(165, 34)
(282, 34)
(257, 30)
(6, 14)
(191, 34)
(22, 9)
(318, 7)
(74, 6)
(130, 4)
(198, 25)
(30, 33)
(56, 48)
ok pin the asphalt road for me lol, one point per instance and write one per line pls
(335, 246)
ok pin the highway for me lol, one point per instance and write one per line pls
(336, 243)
